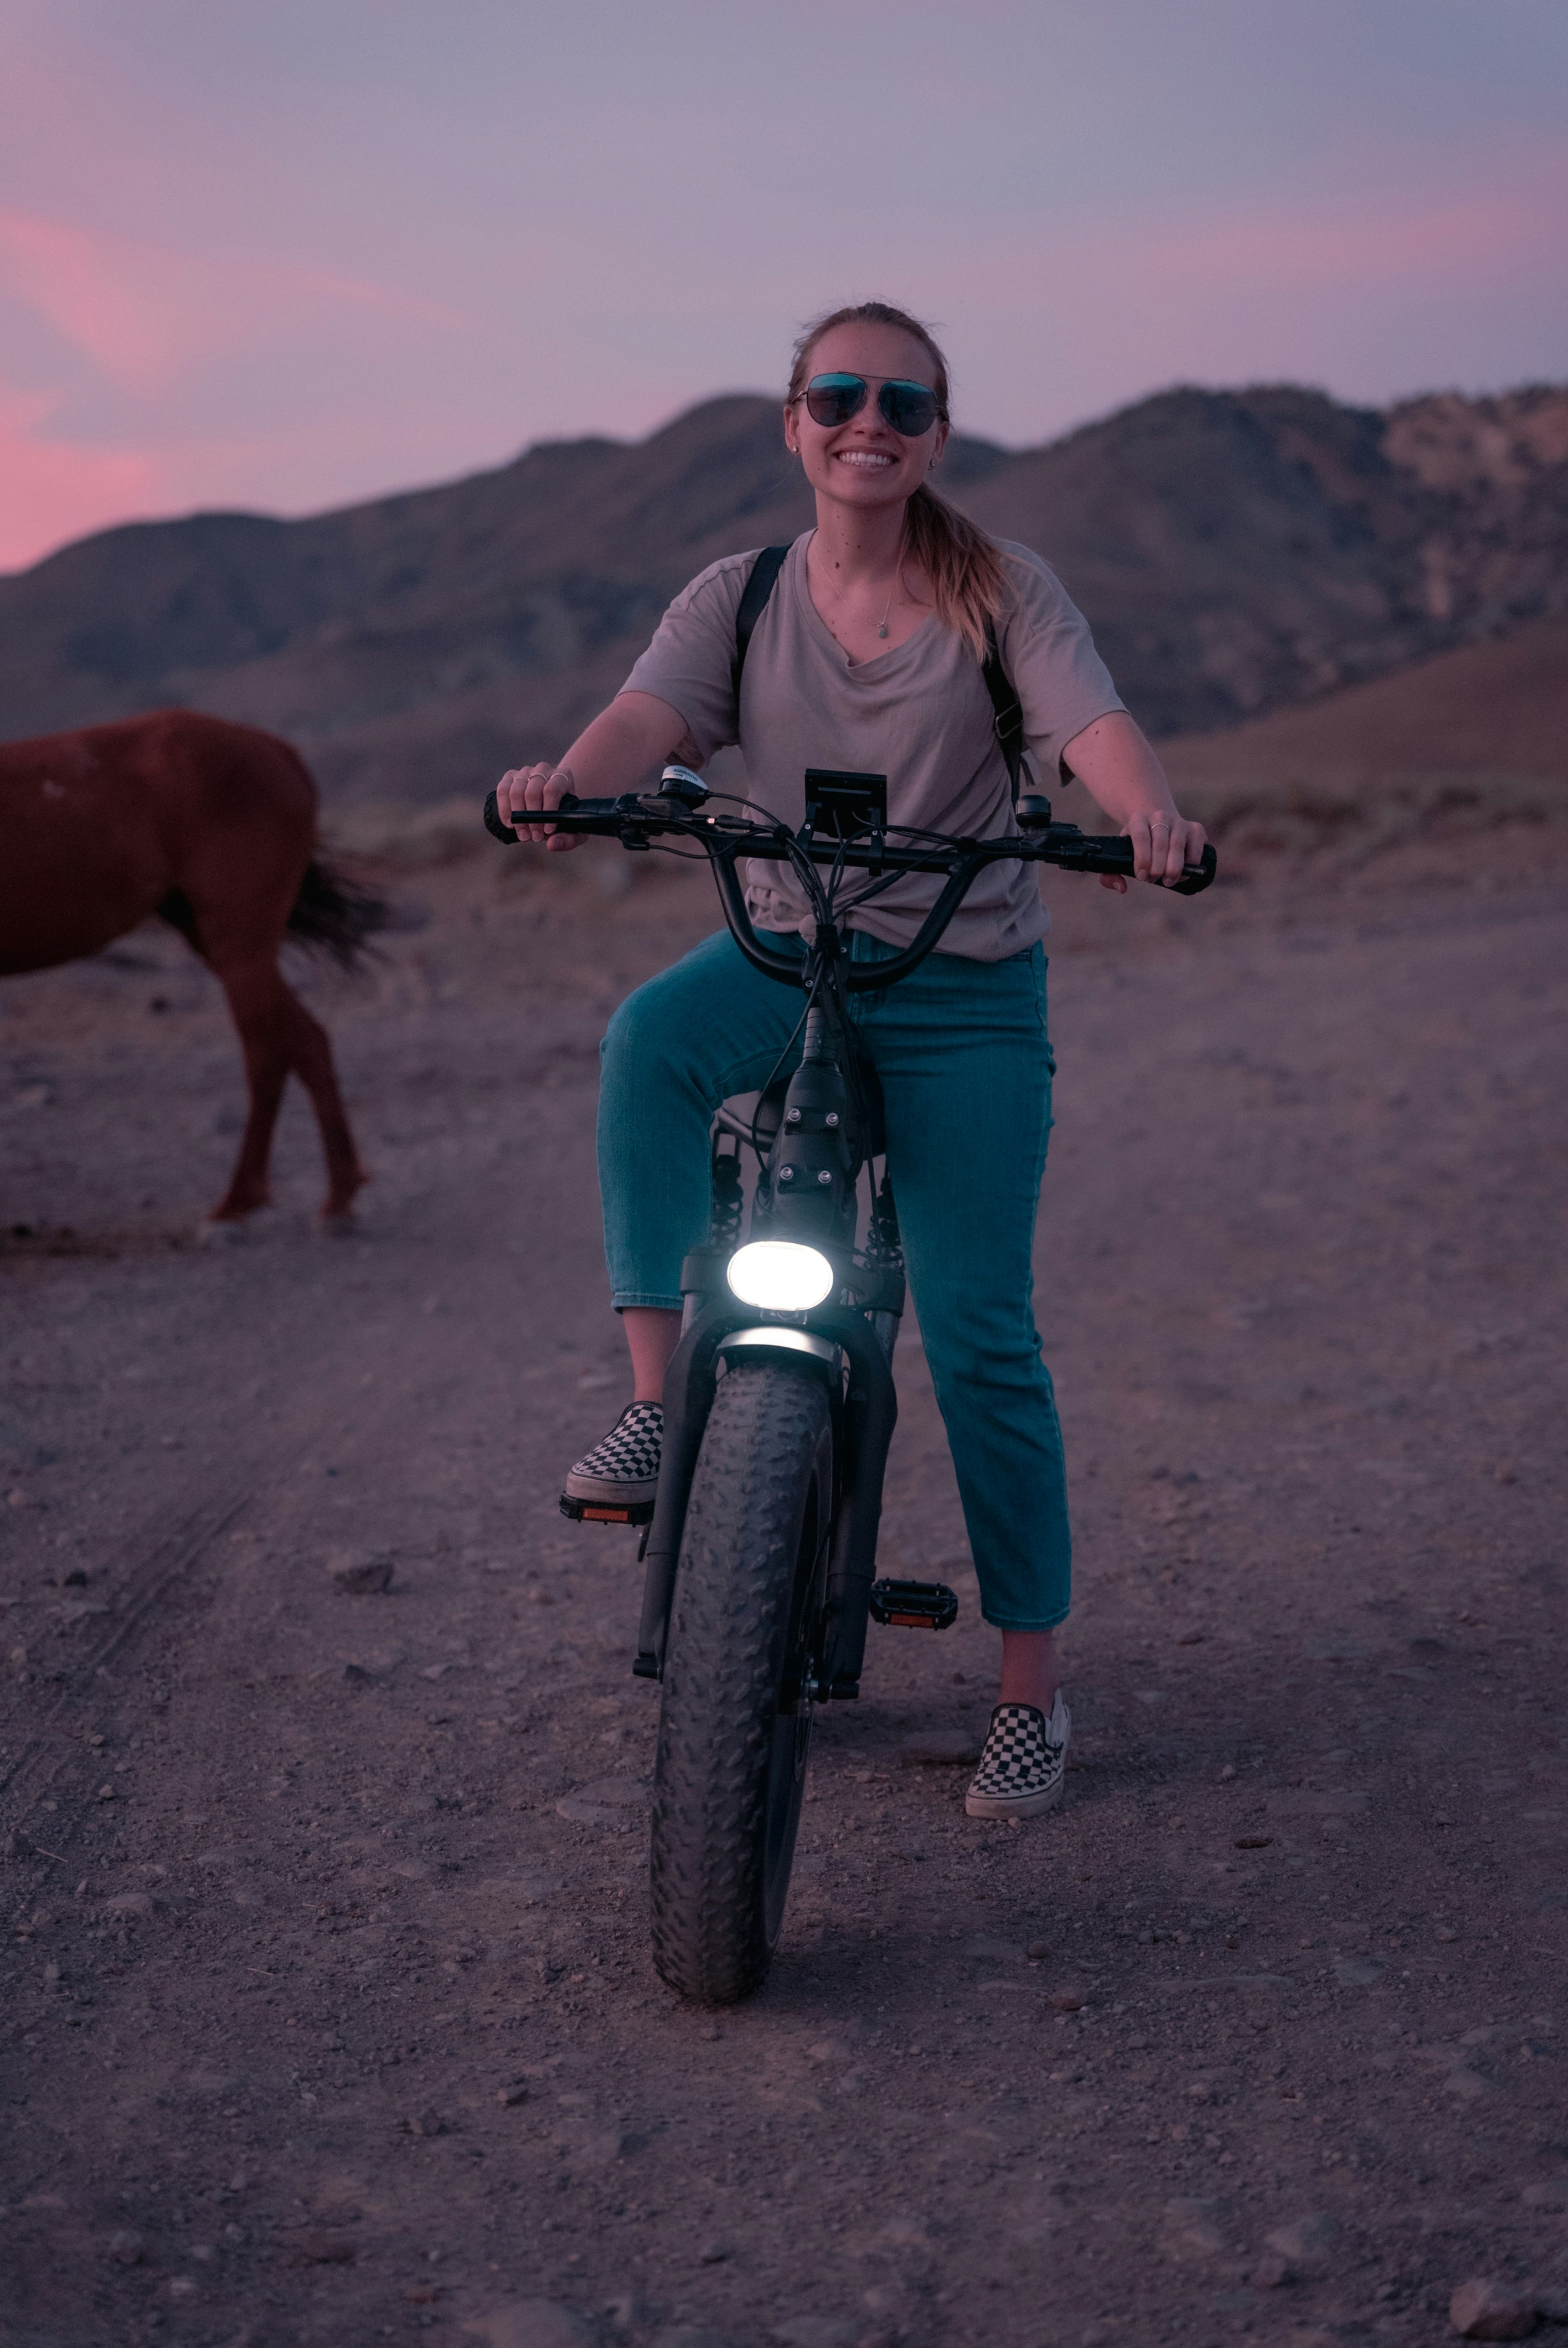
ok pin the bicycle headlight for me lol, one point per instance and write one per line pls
(780, 1275)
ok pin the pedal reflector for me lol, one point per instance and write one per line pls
(914, 1605)
(600, 1513)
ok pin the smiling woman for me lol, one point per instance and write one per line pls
(876, 652)
(936, 544)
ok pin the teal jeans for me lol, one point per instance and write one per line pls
(965, 1063)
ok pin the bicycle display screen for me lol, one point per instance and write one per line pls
(845, 806)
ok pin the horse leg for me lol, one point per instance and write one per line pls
(264, 1039)
(277, 1033)
(314, 1067)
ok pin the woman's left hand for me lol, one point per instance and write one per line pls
(1122, 773)
(1162, 846)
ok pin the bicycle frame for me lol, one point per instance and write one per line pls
(808, 1186)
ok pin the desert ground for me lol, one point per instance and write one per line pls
(329, 2015)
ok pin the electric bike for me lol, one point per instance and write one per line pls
(760, 1546)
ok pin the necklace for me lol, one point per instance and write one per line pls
(887, 607)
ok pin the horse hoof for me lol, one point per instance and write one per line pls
(210, 1235)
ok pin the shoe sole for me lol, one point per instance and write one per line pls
(1018, 1805)
(600, 1492)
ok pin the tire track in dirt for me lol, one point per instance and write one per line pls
(157, 1568)
(171, 1557)
(149, 1572)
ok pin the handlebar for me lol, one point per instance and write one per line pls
(636, 818)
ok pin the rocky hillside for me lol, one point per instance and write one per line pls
(1236, 551)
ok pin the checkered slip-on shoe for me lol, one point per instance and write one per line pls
(623, 1470)
(1021, 1768)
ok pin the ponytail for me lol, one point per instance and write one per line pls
(961, 562)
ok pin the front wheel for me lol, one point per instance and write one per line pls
(738, 1668)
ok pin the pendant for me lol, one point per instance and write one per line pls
(882, 631)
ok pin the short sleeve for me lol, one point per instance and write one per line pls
(1061, 682)
(691, 662)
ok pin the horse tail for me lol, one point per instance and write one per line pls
(336, 914)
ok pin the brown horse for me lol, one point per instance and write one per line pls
(214, 827)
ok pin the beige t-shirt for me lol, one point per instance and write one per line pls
(920, 714)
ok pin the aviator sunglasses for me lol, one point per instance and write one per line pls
(910, 407)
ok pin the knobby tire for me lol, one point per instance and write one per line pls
(735, 1720)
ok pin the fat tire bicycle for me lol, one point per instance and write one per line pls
(760, 1546)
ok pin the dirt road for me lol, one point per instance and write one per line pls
(329, 2015)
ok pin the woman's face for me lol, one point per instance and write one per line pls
(864, 463)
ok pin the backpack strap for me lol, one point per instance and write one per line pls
(1009, 708)
(753, 601)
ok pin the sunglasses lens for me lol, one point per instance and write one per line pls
(833, 399)
(908, 407)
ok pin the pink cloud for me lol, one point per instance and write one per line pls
(1335, 246)
(144, 317)
(50, 491)
(1445, 240)
(56, 485)
(142, 312)
(1377, 295)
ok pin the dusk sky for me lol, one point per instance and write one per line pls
(285, 256)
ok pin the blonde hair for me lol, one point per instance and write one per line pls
(961, 562)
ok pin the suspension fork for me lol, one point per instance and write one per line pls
(869, 1415)
(885, 1253)
(688, 1397)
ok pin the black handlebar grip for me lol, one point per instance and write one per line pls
(505, 833)
(1117, 857)
(1068, 848)
(1190, 882)
(495, 827)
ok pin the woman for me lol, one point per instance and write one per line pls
(869, 657)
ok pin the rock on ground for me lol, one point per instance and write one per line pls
(1488, 2310)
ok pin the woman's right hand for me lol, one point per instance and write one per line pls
(523, 789)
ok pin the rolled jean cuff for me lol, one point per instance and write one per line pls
(641, 1304)
(997, 1622)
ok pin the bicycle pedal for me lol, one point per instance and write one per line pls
(600, 1512)
(914, 1605)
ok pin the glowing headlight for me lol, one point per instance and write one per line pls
(780, 1275)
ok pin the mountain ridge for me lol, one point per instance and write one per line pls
(1236, 551)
